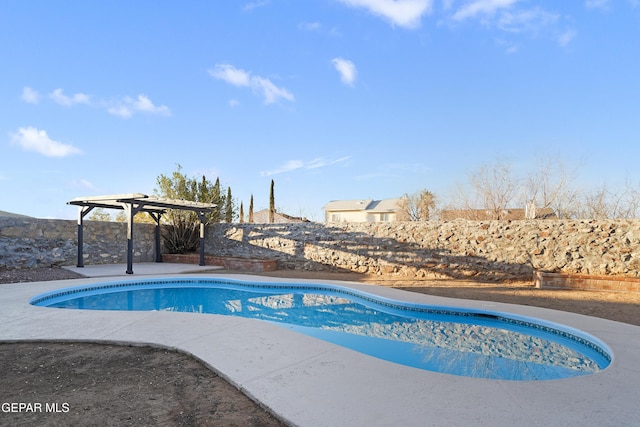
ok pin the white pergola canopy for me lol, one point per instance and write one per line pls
(132, 204)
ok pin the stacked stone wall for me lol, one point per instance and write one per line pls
(484, 250)
(491, 250)
(29, 242)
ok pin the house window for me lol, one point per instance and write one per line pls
(335, 217)
(385, 217)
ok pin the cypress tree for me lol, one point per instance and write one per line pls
(241, 213)
(229, 206)
(217, 198)
(272, 204)
(251, 210)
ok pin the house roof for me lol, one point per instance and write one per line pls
(347, 205)
(385, 205)
(363, 205)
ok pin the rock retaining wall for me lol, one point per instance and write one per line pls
(483, 250)
(491, 250)
(29, 242)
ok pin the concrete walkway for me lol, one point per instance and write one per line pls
(140, 269)
(309, 382)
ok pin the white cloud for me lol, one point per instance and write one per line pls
(346, 69)
(254, 5)
(60, 98)
(287, 167)
(32, 139)
(565, 38)
(509, 17)
(260, 85)
(30, 96)
(481, 7)
(299, 164)
(530, 21)
(127, 107)
(509, 46)
(230, 74)
(270, 92)
(124, 107)
(309, 26)
(404, 13)
(144, 104)
(322, 162)
(597, 4)
(82, 184)
(120, 110)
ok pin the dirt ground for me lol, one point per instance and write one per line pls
(92, 384)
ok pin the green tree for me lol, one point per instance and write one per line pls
(122, 216)
(251, 210)
(241, 213)
(99, 214)
(272, 204)
(229, 207)
(182, 234)
(179, 186)
(218, 198)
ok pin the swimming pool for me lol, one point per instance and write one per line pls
(458, 341)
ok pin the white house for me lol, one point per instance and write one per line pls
(362, 210)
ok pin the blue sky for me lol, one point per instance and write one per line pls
(332, 99)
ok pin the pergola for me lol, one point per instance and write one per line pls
(132, 204)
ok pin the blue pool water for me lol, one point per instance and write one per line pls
(443, 339)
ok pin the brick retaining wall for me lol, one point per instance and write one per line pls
(229, 263)
(544, 280)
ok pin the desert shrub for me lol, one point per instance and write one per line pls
(181, 235)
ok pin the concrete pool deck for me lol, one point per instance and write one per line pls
(309, 382)
(142, 268)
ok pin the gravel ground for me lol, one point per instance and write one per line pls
(36, 274)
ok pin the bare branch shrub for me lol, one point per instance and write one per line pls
(551, 186)
(418, 206)
(493, 187)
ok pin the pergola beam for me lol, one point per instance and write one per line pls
(132, 204)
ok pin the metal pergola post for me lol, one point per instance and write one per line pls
(203, 220)
(82, 211)
(157, 217)
(131, 212)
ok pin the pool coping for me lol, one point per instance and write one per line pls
(309, 382)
